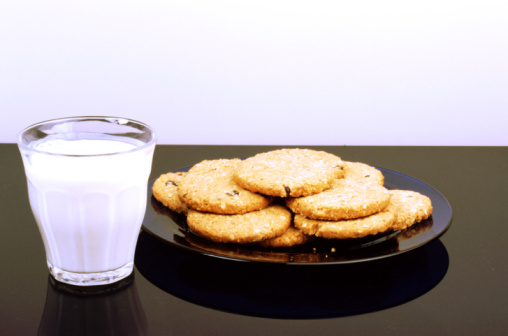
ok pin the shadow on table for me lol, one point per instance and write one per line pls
(287, 290)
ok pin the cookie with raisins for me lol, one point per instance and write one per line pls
(292, 237)
(164, 189)
(363, 173)
(250, 227)
(346, 199)
(289, 172)
(209, 187)
(412, 207)
(349, 228)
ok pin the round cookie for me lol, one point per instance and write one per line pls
(292, 237)
(352, 228)
(165, 191)
(346, 199)
(289, 172)
(209, 187)
(363, 173)
(412, 207)
(250, 227)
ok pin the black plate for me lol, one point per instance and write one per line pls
(172, 228)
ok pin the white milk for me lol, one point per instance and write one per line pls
(89, 209)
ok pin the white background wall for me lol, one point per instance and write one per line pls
(381, 72)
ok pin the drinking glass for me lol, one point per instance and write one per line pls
(87, 185)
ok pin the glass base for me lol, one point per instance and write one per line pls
(91, 279)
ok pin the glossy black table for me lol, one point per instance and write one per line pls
(455, 285)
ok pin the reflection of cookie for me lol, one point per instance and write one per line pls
(415, 229)
(362, 173)
(235, 251)
(250, 227)
(208, 186)
(412, 207)
(352, 228)
(292, 237)
(289, 172)
(346, 199)
(164, 190)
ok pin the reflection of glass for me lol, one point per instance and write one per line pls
(87, 180)
(112, 310)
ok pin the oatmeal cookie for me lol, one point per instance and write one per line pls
(250, 227)
(351, 228)
(289, 172)
(363, 173)
(209, 187)
(165, 191)
(292, 237)
(412, 207)
(346, 199)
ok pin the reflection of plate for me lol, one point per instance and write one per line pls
(171, 228)
(290, 291)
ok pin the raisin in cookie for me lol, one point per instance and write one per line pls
(209, 187)
(289, 172)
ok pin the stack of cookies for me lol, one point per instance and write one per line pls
(287, 197)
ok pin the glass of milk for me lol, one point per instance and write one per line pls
(87, 184)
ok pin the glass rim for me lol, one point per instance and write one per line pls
(150, 130)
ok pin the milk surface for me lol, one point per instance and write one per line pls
(89, 209)
(83, 146)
